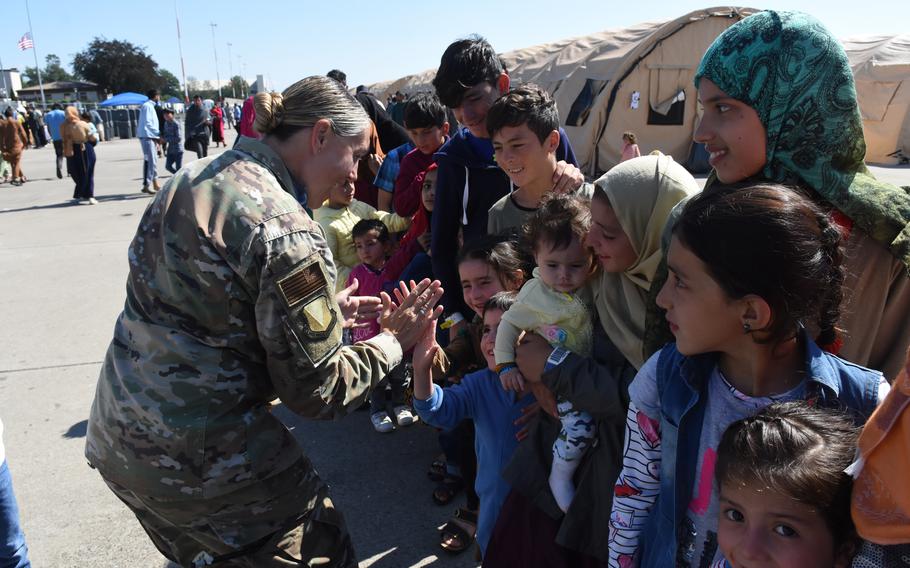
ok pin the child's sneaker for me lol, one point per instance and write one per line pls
(382, 422)
(404, 415)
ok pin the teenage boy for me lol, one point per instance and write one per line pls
(425, 121)
(469, 79)
(524, 127)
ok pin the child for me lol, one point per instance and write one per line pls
(798, 121)
(750, 268)
(487, 266)
(421, 267)
(469, 79)
(555, 305)
(480, 397)
(784, 496)
(524, 127)
(629, 147)
(425, 121)
(174, 139)
(338, 215)
(376, 273)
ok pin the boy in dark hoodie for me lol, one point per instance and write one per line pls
(470, 78)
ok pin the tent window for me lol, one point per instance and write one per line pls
(675, 115)
(581, 107)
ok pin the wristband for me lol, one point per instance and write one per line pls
(453, 320)
(504, 367)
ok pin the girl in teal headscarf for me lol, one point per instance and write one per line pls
(780, 104)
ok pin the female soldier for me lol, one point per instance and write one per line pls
(230, 304)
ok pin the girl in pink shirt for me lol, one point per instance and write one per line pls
(629, 147)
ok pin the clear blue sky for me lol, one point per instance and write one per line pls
(371, 41)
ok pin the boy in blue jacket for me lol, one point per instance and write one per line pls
(470, 78)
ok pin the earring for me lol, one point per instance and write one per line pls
(747, 328)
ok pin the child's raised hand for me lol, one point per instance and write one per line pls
(424, 354)
(512, 380)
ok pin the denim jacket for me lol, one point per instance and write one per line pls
(682, 383)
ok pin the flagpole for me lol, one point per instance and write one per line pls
(186, 92)
(35, 53)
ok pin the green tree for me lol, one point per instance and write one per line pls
(240, 86)
(169, 85)
(117, 66)
(53, 71)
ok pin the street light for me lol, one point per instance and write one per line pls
(215, 49)
(231, 72)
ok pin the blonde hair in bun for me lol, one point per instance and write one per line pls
(269, 108)
(304, 103)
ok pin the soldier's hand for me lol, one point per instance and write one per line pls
(357, 311)
(408, 320)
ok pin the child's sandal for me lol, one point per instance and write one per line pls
(458, 534)
(447, 489)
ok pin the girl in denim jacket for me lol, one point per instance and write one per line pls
(750, 269)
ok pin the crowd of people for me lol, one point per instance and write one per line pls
(633, 371)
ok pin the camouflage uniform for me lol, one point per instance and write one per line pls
(230, 304)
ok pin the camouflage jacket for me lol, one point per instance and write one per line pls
(230, 303)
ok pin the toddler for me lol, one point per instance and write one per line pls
(553, 304)
(377, 272)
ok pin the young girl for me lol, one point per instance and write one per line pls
(750, 268)
(780, 105)
(421, 266)
(379, 272)
(555, 304)
(629, 147)
(478, 396)
(784, 496)
(486, 267)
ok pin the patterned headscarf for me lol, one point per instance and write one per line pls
(796, 76)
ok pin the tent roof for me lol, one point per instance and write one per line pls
(876, 54)
(125, 99)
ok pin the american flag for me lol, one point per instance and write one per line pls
(26, 42)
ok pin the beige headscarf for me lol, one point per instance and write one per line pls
(642, 191)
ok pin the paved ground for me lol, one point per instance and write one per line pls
(62, 274)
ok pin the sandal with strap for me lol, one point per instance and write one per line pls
(447, 489)
(437, 470)
(458, 534)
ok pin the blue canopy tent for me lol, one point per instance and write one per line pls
(173, 100)
(125, 99)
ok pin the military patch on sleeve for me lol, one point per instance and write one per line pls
(302, 283)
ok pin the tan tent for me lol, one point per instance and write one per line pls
(881, 67)
(641, 79)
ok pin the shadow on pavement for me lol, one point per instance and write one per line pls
(77, 430)
(69, 203)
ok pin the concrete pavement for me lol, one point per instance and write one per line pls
(63, 269)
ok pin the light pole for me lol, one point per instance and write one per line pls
(215, 49)
(231, 72)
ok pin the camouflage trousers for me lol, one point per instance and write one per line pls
(279, 522)
(576, 433)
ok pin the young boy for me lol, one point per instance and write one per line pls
(338, 215)
(478, 396)
(523, 125)
(425, 121)
(174, 139)
(376, 273)
(469, 79)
